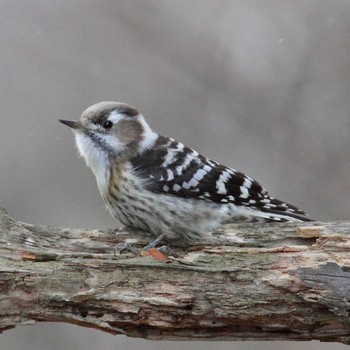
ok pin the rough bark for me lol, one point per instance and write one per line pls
(248, 282)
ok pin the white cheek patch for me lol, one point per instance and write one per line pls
(93, 155)
(113, 143)
(100, 146)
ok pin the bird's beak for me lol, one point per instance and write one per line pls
(72, 124)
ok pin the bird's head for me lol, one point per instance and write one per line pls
(111, 131)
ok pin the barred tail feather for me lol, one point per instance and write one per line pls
(277, 210)
(282, 216)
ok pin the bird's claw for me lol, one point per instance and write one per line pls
(162, 253)
(122, 247)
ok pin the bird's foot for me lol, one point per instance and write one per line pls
(161, 253)
(125, 247)
(154, 243)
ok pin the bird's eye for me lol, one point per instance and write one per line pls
(107, 124)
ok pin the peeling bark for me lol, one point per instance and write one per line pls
(247, 282)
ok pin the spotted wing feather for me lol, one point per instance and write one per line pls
(178, 170)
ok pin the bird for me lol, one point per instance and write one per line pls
(154, 183)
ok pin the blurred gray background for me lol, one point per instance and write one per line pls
(263, 86)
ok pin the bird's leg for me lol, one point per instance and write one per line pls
(127, 247)
(161, 253)
(154, 243)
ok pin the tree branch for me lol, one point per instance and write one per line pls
(272, 281)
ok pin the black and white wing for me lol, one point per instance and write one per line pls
(175, 169)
